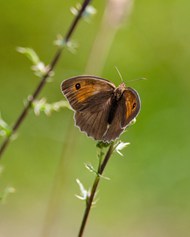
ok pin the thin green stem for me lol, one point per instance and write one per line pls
(94, 188)
(43, 81)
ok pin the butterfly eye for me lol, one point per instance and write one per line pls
(134, 106)
(77, 86)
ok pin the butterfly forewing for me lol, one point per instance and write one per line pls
(127, 109)
(85, 93)
(132, 105)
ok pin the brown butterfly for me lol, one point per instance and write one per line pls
(102, 110)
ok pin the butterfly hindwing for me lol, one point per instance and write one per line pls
(94, 124)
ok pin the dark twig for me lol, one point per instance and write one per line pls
(43, 81)
(94, 188)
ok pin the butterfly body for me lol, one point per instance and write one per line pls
(102, 110)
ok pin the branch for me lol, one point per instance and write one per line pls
(43, 81)
(90, 199)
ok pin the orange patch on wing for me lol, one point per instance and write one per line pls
(129, 103)
(128, 111)
(86, 91)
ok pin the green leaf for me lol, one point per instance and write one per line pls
(89, 12)
(119, 146)
(42, 106)
(30, 54)
(5, 129)
(84, 193)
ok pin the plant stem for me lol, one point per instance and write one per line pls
(43, 81)
(94, 188)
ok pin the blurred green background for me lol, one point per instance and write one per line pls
(149, 191)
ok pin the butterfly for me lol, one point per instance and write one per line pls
(101, 110)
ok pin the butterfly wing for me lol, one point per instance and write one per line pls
(87, 92)
(132, 105)
(94, 124)
(127, 109)
(90, 97)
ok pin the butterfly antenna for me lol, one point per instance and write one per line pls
(119, 73)
(137, 79)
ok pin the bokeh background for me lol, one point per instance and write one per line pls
(149, 191)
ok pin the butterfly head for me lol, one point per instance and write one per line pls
(119, 91)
